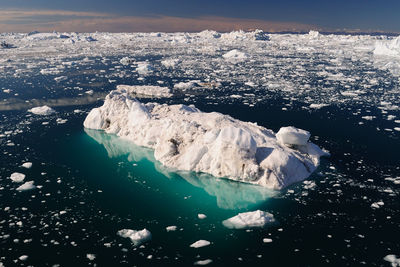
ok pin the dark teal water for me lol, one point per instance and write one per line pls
(92, 184)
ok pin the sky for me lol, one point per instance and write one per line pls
(197, 15)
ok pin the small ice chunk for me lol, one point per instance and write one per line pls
(200, 244)
(27, 165)
(26, 186)
(235, 55)
(137, 237)
(392, 259)
(201, 216)
(23, 258)
(43, 110)
(377, 205)
(17, 177)
(267, 240)
(203, 262)
(249, 219)
(90, 256)
(292, 136)
(144, 68)
(171, 228)
(313, 34)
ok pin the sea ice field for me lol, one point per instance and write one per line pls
(181, 149)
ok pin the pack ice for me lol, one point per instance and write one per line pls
(185, 138)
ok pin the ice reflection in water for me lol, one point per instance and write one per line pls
(229, 194)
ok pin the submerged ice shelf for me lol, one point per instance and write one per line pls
(184, 138)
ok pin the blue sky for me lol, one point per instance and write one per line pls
(364, 15)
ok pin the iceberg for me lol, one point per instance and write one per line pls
(249, 219)
(186, 139)
(388, 48)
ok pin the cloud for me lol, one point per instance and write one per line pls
(69, 21)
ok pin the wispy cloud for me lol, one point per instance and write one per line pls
(66, 21)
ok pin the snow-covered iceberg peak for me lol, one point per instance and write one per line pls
(187, 139)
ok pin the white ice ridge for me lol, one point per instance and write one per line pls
(249, 219)
(146, 90)
(187, 139)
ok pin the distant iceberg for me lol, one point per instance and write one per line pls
(388, 48)
(184, 138)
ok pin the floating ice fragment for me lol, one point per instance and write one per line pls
(235, 55)
(249, 219)
(171, 228)
(23, 258)
(44, 110)
(200, 243)
(137, 237)
(201, 216)
(203, 262)
(17, 177)
(144, 68)
(146, 90)
(267, 240)
(26, 186)
(377, 205)
(393, 259)
(90, 256)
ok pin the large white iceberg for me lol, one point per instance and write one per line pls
(187, 139)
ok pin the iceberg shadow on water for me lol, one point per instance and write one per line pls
(229, 194)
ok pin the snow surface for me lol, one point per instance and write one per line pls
(187, 139)
(200, 244)
(293, 136)
(17, 177)
(44, 110)
(249, 219)
(137, 237)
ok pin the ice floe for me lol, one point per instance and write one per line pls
(185, 138)
(137, 237)
(249, 219)
(43, 110)
(200, 244)
(17, 177)
(146, 90)
(26, 186)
